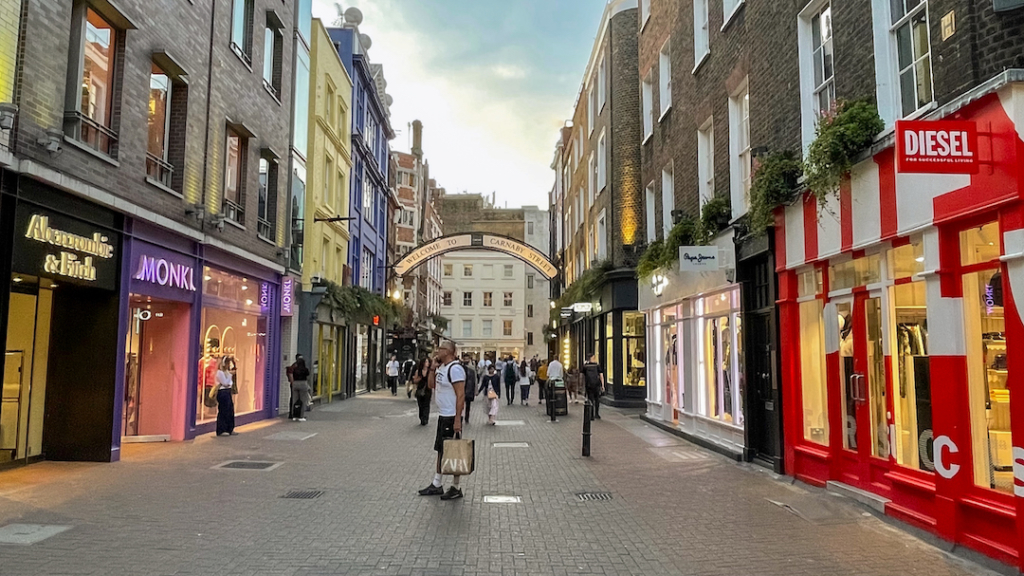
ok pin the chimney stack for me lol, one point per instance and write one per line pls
(417, 139)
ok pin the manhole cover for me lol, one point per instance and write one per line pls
(502, 499)
(510, 445)
(304, 494)
(591, 496)
(509, 423)
(248, 465)
(291, 435)
(26, 534)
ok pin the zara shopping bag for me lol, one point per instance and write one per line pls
(458, 457)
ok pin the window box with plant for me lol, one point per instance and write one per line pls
(688, 231)
(774, 185)
(842, 134)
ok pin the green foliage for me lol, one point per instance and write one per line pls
(841, 135)
(584, 288)
(774, 185)
(440, 322)
(359, 304)
(663, 253)
(715, 213)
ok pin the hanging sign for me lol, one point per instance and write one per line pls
(698, 258)
(582, 307)
(63, 248)
(287, 295)
(936, 146)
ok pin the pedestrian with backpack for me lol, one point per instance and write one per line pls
(300, 388)
(593, 379)
(511, 379)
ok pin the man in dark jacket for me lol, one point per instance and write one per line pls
(511, 379)
(470, 367)
(593, 379)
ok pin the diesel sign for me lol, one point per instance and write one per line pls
(936, 147)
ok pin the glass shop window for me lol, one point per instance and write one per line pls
(812, 370)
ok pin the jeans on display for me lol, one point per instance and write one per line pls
(594, 395)
(225, 411)
(510, 393)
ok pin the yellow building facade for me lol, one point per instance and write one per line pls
(328, 166)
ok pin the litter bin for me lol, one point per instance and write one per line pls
(558, 400)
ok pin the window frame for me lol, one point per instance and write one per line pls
(810, 112)
(706, 161)
(234, 207)
(446, 298)
(506, 327)
(647, 106)
(467, 299)
(651, 225)
(508, 299)
(668, 197)
(488, 299)
(665, 79)
(78, 122)
(243, 50)
(602, 162)
(739, 123)
(701, 32)
(907, 20)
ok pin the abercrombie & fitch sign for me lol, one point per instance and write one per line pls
(64, 248)
(163, 273)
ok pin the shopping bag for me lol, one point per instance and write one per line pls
(458, 457)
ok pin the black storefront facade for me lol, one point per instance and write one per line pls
(611, 327)
(60, 313)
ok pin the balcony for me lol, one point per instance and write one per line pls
(87, 131)
(234, 212)
(264, 229)
(158, 170)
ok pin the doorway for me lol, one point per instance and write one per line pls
(863, 453)
(156, 375)
(23, 395)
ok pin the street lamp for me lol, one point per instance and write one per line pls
(335, 219)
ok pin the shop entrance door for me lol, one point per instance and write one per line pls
(763, 428)
(155, 372)
(863, 454)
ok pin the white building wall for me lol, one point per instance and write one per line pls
(482, 280)
(538, 236)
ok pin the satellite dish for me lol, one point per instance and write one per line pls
(354, 16)
(389, 100)
(366, 41)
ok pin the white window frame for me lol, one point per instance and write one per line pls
(730, 8)
(467, 328)
(706, 161)
(740, 166)
(591, 112)
(906, 20)
(602, 236)
(507, 327)
(507, 299)
(665, 79)
(602, 162)
(701, 32)
(668, 198)
(645, 13)
(467, 299)
(649, 200)
(888, 95)
(647, 95)
(487, 328)
(591, 180)
(446, 298)
(488, 299)
(449, 270)
(509, 271)
(810, 112)
(602, 84)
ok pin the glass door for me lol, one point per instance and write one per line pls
(865, 448)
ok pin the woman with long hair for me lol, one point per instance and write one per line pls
(225, 399)
(524, 374)
(420, 379)
(300, 389)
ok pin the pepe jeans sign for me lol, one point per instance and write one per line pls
(698, 258)
(163, 273)
(61, 247)
(937, 147)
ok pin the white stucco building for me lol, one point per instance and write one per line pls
(483, 296)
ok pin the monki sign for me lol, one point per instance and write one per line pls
(936, 146)
(163, 273)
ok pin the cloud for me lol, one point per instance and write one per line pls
(489, 86)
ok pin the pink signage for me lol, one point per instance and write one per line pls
(287, 295)
(163, 273)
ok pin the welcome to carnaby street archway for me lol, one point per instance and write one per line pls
(477, 241)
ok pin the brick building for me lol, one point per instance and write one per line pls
(145, 211)
(603, 207)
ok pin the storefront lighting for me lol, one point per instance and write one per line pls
(207, 278)
(245, 287)
(18, 279)
(248, 302)
(919, 259)
(552, 303)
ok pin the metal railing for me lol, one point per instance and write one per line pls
(234, 212)
(89, 132)
(264, 229)
(159, 170)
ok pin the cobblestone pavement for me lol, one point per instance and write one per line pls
(675, 508)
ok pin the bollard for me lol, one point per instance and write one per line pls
(586, 426)
(551, 397)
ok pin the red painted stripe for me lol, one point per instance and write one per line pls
(900, 241)
(887, 191)
(846, 213)
(810, 206)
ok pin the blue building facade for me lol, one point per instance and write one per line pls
(371, 132)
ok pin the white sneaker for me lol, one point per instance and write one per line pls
(293, 419)
(302, 419)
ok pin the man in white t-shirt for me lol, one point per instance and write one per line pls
(448, 383)
(555, 371)
(392, 370)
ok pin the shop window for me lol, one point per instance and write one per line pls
(912, 394)
(814, 387)
(906, 261)
(809, 282)
(90, 110)
(718, 363)
(610, 350)
(979, 245)
(634, 353)
(859, 272)
(235, 336)
(668, 358)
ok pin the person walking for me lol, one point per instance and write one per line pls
(300, 388)
(593, 379)
(420, 379)
(392, 372)
(525, 380)
(449, 382)
(225, 400)
(407, 367)
(572, 385)
(492, 387)
(542, 380)
(511, 378)
(467, 365)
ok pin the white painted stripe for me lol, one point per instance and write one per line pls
(915, 193)
(945, 318)
(795, 235)
(865, 202)
(831, 328)
(1014, 243)
(830, 233)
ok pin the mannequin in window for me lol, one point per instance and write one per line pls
(208, 372)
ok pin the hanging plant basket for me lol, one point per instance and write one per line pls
(842, 134)
(774, 184)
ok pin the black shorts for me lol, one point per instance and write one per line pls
(445, 431)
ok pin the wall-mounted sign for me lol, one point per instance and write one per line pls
(287, 295)
(582, 307)
(937, 146)
(163, 273)
(264, 297)
(698, 258)
(566, 312)
(60, 247)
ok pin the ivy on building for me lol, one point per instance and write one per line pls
(774, 184)
(359, 304)
(584, 289)
(842, 134)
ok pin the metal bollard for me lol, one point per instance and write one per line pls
(551, 397)
(586, 426)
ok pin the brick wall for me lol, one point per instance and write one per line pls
(625, 208)
(183, 30)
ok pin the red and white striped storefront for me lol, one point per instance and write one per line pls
(904, 355)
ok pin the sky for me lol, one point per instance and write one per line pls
(492, 81)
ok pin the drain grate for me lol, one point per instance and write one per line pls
(304, 494)
(248, 465)
(591, 496)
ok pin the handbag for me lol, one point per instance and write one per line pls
(491, 394)
(458, 457)
(210, 398)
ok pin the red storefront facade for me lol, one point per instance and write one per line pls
(899, 296)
